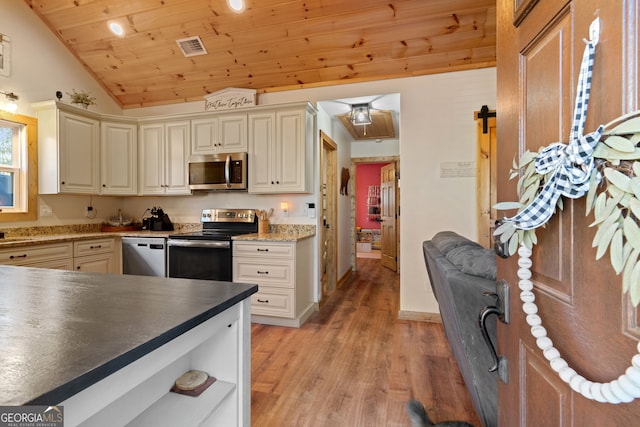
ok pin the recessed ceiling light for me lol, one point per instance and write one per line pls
(236, 5)
(116, 29)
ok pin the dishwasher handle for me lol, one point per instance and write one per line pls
(199, 244)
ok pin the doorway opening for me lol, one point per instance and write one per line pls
(374, 210)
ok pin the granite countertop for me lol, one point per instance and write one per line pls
(275, 237)
(62, 331)
(10, 242)
(42, 235)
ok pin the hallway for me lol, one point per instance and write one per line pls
(354, 363)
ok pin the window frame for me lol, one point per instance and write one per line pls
(29, 179)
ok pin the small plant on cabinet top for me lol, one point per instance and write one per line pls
(82, 98)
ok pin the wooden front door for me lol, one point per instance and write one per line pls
(388, 235)
(580, 300)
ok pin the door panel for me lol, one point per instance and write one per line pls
(388, 235)
(579, 299)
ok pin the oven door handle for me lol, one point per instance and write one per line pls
(198, 244)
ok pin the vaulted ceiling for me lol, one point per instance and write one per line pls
(272, 45)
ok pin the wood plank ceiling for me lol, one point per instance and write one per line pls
(272, 45)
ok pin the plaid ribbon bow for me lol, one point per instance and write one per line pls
(571, 164)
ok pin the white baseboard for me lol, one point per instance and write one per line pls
(281, 321)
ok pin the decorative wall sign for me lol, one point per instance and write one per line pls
(230, 99)
(458, 169)
(5, 55)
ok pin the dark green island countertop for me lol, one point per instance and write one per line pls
(63, 331)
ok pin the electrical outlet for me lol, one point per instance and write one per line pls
(88, 211)
(46, 210)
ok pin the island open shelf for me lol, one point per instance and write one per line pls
(120, 343)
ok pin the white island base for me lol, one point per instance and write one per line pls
(138, 394)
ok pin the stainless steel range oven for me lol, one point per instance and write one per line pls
(207, 254)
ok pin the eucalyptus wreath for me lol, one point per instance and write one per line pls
(613, 197)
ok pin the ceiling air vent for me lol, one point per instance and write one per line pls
(191, 46)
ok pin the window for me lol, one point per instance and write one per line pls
(18, 167)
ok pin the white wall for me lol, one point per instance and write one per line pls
(40, 66)
(341, 137)
(436, 126)
(386, 148)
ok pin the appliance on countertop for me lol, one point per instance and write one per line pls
(207, 254)
(218, 172)
(144, 256)
(158, 221)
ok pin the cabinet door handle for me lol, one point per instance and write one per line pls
(18, 256)
(262, 250)
(264, 301)
(263, 272)
(95, 247)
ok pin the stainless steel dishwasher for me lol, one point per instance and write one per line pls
(144, 256)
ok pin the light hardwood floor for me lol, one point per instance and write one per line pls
(354, 363)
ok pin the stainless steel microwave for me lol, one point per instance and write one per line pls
(225, 171)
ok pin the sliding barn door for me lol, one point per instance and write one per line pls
(540, 47)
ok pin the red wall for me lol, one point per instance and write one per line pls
(366, 174)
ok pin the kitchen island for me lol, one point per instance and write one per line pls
(109, 347)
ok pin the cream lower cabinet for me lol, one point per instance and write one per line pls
(53, 255)
(95, 256)
(284, 274)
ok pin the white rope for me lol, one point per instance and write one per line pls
(622, 390)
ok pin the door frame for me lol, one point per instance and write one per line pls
(352, 191)
(486, 157)
(328, 176)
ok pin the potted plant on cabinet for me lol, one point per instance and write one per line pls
(81, 98)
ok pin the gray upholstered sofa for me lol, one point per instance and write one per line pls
(461, 271)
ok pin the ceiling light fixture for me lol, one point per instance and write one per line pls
(360, 114)
(12, 102)
(116, 29)
(236, 5)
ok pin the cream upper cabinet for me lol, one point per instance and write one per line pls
(68, 149)
(219, 134)
(162, 166)
(119, 158)
(281, 145)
